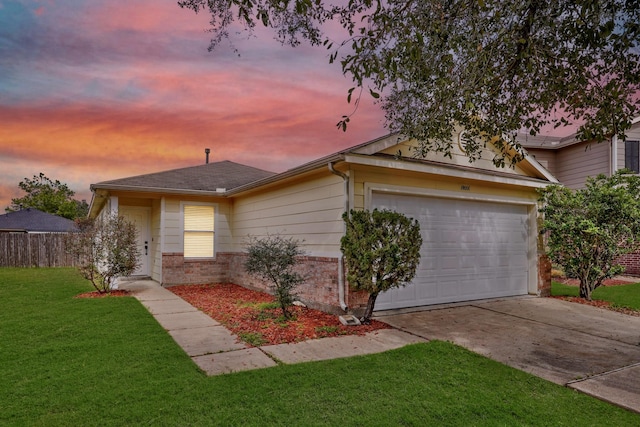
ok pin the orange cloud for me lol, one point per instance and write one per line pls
(99, 90)
(83, 144)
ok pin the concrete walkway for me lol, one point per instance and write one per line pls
(217, 351)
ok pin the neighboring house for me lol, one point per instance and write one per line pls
(34, 221)
(572, 161)
(478, 222)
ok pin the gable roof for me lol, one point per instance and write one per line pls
(228, 179)
(209, 177)
(33, 220)
(371, 151)
(548, 142)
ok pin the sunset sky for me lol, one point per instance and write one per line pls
(94, 90)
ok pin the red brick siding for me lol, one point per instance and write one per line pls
(631, 263)
(176, 270)
(320, 289)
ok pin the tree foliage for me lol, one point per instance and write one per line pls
(49, 196)
(105, 248)
(273, 259)
(382, 251)
(591, 227)
(494, 67)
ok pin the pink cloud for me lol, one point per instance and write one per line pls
(86, 144)
(102, 90)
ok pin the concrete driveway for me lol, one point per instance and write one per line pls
(586, 348)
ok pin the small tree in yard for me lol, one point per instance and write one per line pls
(591, 227)
(49, 196)
(382, 251)
(105, 249)
(272, 259)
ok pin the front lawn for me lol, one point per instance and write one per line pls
(627, 296)
(106, 361)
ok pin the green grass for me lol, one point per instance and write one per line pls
(620, 295)
(67, 361)
(254, 338)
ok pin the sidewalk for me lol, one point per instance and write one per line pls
(217, 351)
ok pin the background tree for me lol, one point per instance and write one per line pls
(382, 251)
(494, 67)
(591, 227)
(273, 259)
(105, 248)
(49, 196)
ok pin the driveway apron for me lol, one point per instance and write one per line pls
(593, 350)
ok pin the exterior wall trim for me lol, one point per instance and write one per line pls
(370, 187)
(447, 170)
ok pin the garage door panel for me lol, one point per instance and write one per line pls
(446, 289)
(471, 250)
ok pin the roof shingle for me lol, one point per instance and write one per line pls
(207, 177)
(33, 220)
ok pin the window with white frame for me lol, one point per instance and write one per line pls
(632, 156)
(198, 231)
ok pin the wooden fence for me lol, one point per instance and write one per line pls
(34, 250)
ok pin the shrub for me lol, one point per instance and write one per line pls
(591, 227)
(382, 251)
(273, 259)
(105, 248)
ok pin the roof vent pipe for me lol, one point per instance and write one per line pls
(206, 152)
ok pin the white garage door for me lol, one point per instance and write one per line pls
(471, 250)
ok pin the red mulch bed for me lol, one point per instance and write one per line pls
(96, 294)
(243, 312)
(597, 303)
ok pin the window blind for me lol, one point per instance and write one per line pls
(198, 231)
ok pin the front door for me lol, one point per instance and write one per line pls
(140, 217)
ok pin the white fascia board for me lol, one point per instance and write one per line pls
(445, 171)
(377, 145)
(540, 169)
(98, 200)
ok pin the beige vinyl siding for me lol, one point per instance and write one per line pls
(309, 211)
(579, 161)
(458, 157)
(621, 153)
(223, 227)
(173, 223)
(172, 230)
(633, 134)
(547, 158)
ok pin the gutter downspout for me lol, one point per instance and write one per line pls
(341, 281)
